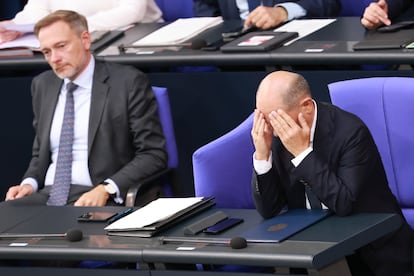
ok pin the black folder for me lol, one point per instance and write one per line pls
(258, 42)
(153, 229)
(376, 40)
(105, 40)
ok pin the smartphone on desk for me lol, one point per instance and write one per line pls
(96, 216)
(222, 225)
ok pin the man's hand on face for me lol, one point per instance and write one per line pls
(262, 136)
(295, 137)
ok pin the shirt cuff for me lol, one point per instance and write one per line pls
(262, 166)
(293, 10)
(298, 159)
(118, 199)
(32, 182)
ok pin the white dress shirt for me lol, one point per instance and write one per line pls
(101, 14)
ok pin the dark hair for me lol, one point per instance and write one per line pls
(76, 21)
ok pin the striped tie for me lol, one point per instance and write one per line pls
(63, 175)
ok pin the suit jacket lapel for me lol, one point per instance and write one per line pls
(98, 99)
(48, 109)
(322, 140)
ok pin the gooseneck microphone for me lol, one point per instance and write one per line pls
(71, 235)
(235, 243)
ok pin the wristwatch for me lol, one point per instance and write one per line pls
(110, 189)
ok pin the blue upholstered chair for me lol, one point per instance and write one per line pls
(386, 105)
(174, 9)
(142, 192)
(223, 168)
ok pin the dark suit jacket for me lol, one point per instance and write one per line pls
(398, 7)
(228, 8)
(125, 139)
(345, 172)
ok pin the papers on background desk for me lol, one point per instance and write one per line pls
(28, 40)
(24, 28)
(179, 31)
(304, 27)
(155, 211)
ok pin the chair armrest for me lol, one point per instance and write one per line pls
(146, 190)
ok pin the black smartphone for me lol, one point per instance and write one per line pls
(96, 216)
(222, 225)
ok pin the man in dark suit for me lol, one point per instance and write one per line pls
(308, 150)
(382, 12)
(117, 138)
(266, 14)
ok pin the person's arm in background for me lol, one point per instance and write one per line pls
(382, 12)
(126, 12)
(274, 13)
(32, 12)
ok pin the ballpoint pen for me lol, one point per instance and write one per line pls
(121, 214)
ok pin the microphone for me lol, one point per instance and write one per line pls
(196, 44)
(235, 243)
(71, 235)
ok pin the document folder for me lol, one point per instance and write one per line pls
(106, 40)
(163, 224)
(382, 41)
(284, 225)
(258, 42)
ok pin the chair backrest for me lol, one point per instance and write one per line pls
(385, 104)
(354, 7)
(223, 168)
(174, 9)
(164, 113)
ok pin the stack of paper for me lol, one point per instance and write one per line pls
(158, 216)
(28, 40)
(157, 210)
(179, 31)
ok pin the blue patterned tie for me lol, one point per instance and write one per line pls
(63, 175)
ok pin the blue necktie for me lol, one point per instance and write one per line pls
(253, 4)
(63, 175)
(313, 200)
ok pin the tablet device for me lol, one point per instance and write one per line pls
(258, 42)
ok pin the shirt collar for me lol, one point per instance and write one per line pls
(315, 116)
(85, 78)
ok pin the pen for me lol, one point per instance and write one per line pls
(121, 214)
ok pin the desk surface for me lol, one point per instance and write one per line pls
(315, 247)
(336, 39)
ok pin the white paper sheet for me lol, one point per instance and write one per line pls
(303, 27)
(24, 28)
(157, 210)
(27, 40)
(179, 31)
